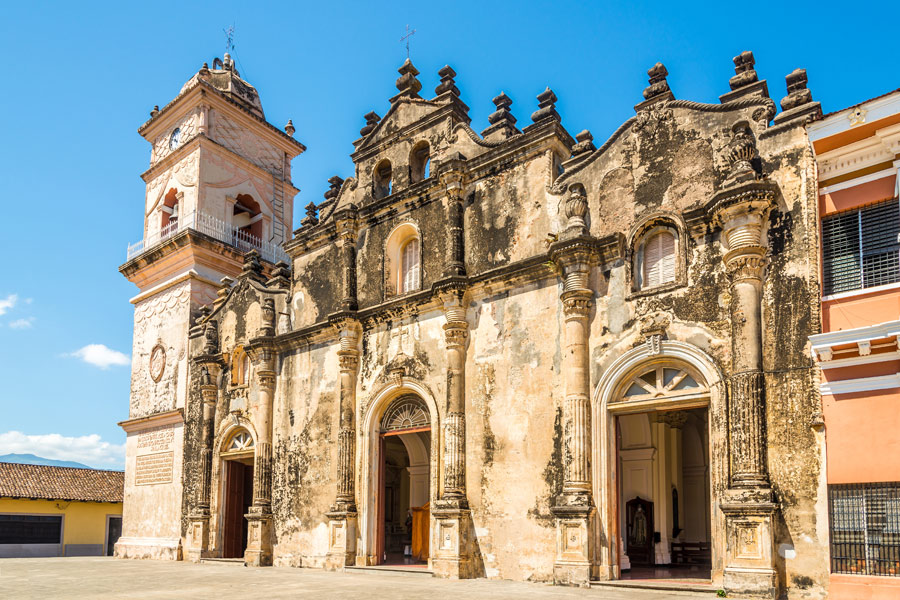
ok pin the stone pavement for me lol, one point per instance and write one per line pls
(100, 577)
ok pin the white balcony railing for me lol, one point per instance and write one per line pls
(215, 228)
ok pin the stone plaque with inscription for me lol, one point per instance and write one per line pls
(155, 460)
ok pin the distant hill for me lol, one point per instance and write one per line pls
(31, 459)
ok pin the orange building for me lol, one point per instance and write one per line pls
(858, 155)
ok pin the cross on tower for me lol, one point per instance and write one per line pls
(229, 39)
(406, 39)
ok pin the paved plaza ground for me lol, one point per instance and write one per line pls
(97, 577)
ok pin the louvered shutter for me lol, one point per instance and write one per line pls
(410, 263)
(667, 258)
(651, 262)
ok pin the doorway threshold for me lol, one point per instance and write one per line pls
(405, 570)
(694, 586)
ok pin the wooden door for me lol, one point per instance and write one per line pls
(380, 501)
(233, 530)
(420, 527)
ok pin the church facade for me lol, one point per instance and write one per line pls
(514, 354)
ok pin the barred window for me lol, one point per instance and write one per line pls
(861, 248)
(865, 528)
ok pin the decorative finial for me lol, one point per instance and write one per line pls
(798, 93)
(155, 111)
(798, 105)
(502, 122)
(407, 83)
(204, 70)
(267, 328)
(335, 181)
(447, 84)
(289, 128)
(658, 84)
(372, 120)
(744, 73)
(311, 217)
(546, 107)
(742, 154)
(576, 209)
(585, 143)
(252, 266)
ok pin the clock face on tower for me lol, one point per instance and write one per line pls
(175, 138)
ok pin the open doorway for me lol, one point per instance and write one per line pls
(664, 494)
(404, 482)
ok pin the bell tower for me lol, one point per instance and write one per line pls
(218, 186)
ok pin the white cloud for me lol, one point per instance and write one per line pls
(7, 303)
(86, 449)
(101, 356)
(22, 323)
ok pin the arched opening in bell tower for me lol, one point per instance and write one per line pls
(247, 217)
(170, 212)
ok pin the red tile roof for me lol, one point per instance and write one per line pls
(60, 483)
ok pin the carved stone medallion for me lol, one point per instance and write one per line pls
(157, 362)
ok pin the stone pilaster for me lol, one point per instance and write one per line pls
(198, 536)
(451, 538)
(342, 518)
(259, 518)
(574, 509)
(741, 210)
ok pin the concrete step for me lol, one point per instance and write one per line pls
(401, 570)
(664, 585)
(233, 561)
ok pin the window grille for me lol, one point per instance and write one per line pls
(865, 528)
(30, 529)
(860, 248)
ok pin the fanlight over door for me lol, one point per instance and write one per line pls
(240, 442)
(408, 412)
(662, 382)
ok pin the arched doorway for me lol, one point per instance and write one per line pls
(237, 491)
(657, 465)
(404, 483)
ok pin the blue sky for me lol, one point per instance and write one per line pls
(80, 78)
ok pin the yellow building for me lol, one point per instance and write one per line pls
(59, 511)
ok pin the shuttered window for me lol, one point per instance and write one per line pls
(30, 529)
(410, 266)
(659, 260)
(860, 248)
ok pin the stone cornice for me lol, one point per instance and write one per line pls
(169, 417)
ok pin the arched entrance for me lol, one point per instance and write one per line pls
(658, 466)
(404, 482)
(237, 491)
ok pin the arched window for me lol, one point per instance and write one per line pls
(420, 162)
(658, 263)
(240, 367)
(382, 179)
(409, 266)
(402, 261)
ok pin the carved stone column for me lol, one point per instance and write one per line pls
(260, 526)
(574, 255)
(210, 366)
(342, 518)
(453, 178)
(741, 209)
(347, 233)
(451, 537)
